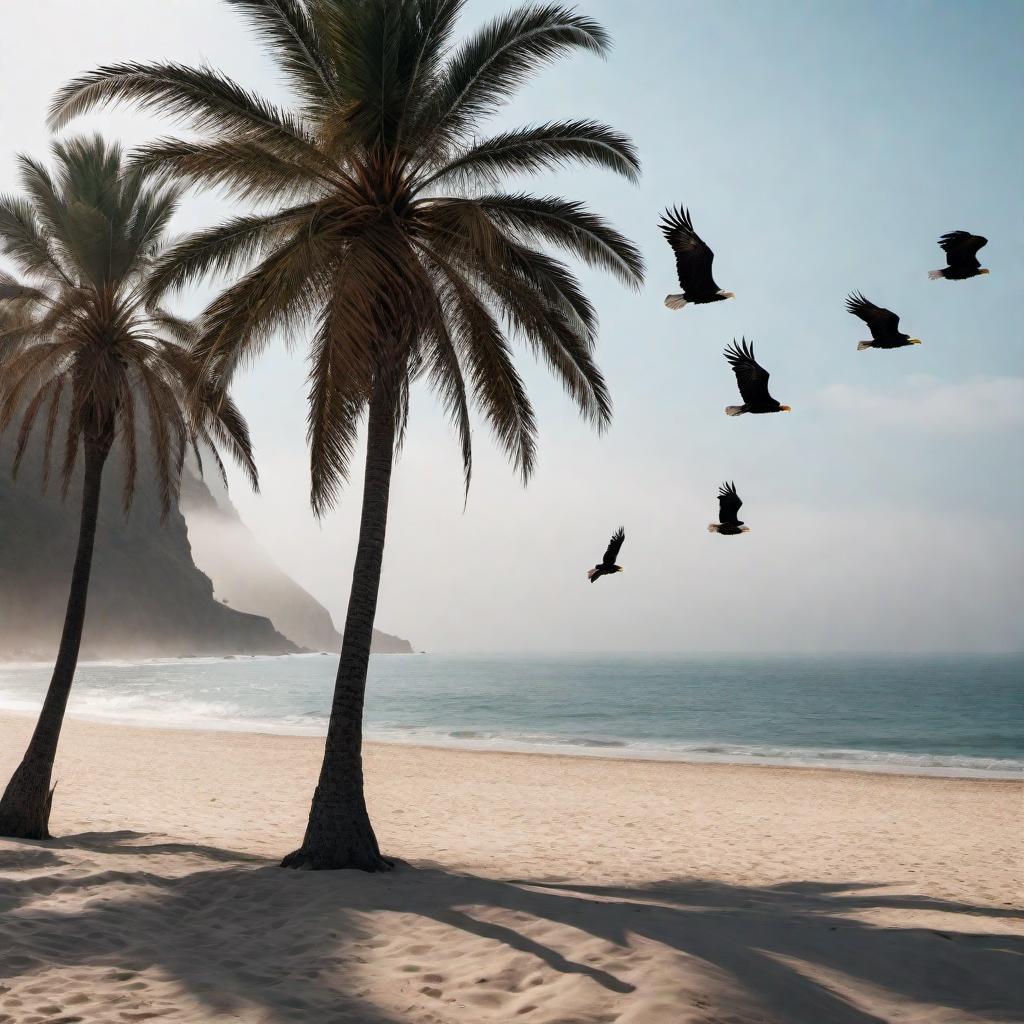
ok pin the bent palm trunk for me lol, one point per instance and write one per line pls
(339, 833)
(25, 806)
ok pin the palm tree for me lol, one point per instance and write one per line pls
(388, 234)
(83, 351)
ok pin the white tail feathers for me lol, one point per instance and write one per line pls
(861, 345)
(734, 410)
(934, 275)
(675, 301)
(713, 528)
(591, 573)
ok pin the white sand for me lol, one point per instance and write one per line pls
(546, 890)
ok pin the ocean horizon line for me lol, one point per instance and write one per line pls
(8, 663)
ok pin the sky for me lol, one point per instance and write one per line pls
(821, 148)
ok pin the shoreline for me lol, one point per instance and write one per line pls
(612, 751)
(291, 694)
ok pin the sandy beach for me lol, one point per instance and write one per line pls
(533, 888)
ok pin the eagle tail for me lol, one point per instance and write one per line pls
(735, 410)
(675, 301)
(713, 528)
(934, 275)
(592, 574)
(861, 345)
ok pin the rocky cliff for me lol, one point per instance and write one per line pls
(245, 575)
(148, 598)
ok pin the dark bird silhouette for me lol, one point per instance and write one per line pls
(884, 324)
(752, 380)
(693, 261)
(961, 248)
(729, 505)
(607, 566)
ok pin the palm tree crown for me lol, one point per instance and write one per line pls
(389, 236)
(81, 343)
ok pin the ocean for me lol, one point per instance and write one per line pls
(951, 714)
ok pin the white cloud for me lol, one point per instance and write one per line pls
(971, 406)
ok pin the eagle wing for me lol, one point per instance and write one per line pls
(614, 546)
(693, 255)
(961, 248)
(881, 322)
(751, 377)
(729, 504)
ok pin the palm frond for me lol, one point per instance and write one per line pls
(224, 249)
(372, 49)
(15, 293)
(436, 20)
(206, 99)
(47, 206)
(445, 377)
(183, 331)
(52, 417)
(496, 386)
(336, 403)
(547, 330)
(541, 148)
(223, 425)
(284, 292)
(32, 408)
(23, 240)
(125, 418)
(244, 170)
(290, 35)
(459, 229)
(556, 283)
(146, 230)
(570, 226)
(364, 343)
(28, 369)
(489, 67)
(21, 328)
(166, 431)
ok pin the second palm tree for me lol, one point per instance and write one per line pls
(86, 358)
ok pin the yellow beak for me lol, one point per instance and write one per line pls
(915, 341)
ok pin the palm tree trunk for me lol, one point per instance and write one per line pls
(339, 833)
(25, 806)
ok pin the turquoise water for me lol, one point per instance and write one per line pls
(962, 714)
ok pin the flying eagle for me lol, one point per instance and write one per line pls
(607, 566)
(729, 505)
(961, 248)
(693, 261)
(752, 380)
(884, 324)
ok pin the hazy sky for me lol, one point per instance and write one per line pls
(821, 147)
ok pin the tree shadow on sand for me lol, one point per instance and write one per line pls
(207, 930)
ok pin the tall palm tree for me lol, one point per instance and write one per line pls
(85, 352)
(388, 234)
